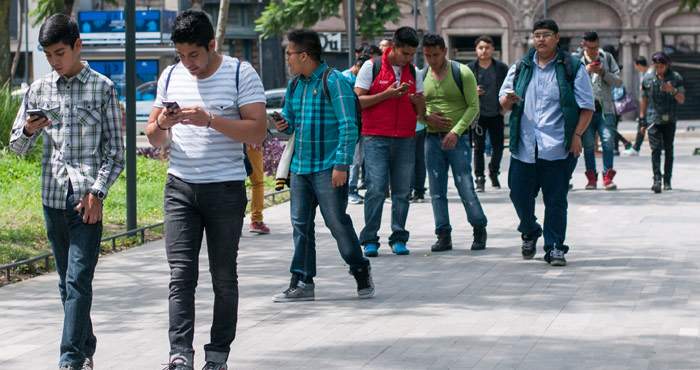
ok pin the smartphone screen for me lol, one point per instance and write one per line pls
(36, 112)
(171, 105)
(276, 116)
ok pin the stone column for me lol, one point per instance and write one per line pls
(627, 61)
(520, 43)
(644, 41)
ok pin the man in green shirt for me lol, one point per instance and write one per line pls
(449, 114)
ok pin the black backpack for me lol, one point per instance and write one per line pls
(326, 92)
(456, 74)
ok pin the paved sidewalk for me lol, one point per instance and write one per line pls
(629, 298)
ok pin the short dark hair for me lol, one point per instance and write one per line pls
(641, 60)
(433, 39)
(192, 27)
(405, 36)
(546, 24)
(590, 36)
(661, 57)
(59, 28)
(362, 59)
(485, 38)
(372, 49)
(307, 41)
(361, 47)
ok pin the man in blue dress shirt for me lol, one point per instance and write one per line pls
(552, 102)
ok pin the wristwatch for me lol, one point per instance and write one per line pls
(98, 193)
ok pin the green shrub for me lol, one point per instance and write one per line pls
(9, 105)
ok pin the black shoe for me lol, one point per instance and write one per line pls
(529, 247)
(656, 188)
(480, 182)
(444, 242)
(479, 238)
(494, 180)
(667, 184)
(365, 285)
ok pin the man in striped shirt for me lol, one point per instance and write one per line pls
(77, 111)
(325, 138)
(220, 105)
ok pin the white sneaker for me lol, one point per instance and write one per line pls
(630, 153)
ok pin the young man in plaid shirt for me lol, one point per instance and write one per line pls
(77, 110)
(325, 138)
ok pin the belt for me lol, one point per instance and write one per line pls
(439, 134)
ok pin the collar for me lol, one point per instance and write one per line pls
(82, 76)
(318, 72)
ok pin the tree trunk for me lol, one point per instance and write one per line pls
(4, 41)
(68, 7)
(15, 60)
(221, 24)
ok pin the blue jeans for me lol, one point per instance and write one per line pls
(604, 128)
(419, 173)
(190, 209)
(525, 181)
(307, 192)
(394, 156)
(75, 246)
(354, 172)
(439, 162)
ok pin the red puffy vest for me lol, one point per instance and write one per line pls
(394, 117)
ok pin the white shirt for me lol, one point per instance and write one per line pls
(364, 77)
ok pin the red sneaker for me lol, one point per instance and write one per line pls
(259, 227)
(592, 179)
(608, 184)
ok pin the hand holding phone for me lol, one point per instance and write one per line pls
(404, 86)
(276, 116)
(36, 113)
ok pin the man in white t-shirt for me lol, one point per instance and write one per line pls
(391, 98)
(220, 106)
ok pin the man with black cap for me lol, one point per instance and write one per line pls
(552, 102)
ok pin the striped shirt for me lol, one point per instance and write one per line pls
(84, 143)
(326, 133)
(199, 154)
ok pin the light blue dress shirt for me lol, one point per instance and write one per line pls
(542, 122)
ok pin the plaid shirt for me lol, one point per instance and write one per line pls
(83, 144)
(661, 106)
(326, 133)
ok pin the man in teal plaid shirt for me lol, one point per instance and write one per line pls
(77, 110)
(325, 138)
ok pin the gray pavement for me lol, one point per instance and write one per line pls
(629, 298)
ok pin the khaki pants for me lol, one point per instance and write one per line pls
(256, 182)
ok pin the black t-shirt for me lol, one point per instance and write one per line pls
(488, 102)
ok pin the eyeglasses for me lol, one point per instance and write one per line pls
(543, 36)
(290, 53)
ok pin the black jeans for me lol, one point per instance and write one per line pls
(494, 125)
(419, 174)
(661, 138)
(190, 209)
(639, 139)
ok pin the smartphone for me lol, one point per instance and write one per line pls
(36, 112)
(511, 92)
(405, 85)
(596, 63)
(276, 116)
(171, 105)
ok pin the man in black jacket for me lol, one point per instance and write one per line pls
(490, 74)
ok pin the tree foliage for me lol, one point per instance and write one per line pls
(283, 15)
(691, 4)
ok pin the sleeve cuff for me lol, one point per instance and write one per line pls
(341, 167)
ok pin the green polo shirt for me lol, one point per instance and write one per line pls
(445, 96)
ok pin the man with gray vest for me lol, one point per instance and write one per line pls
(604, 74)
(551, 97)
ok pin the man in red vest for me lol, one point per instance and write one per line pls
(392, 99)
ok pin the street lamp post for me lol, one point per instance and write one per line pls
(130, 62)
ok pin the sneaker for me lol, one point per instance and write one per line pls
(179, 362)
(297, 291)
(667, 185)
(608, 184)
(479, 238)
(354, 198)
(365, 285)
(494, 180)
(592, 179)
(210, 365)
(88, 364)
(400, 249)
(416, 198)
(371, 250)
(656, 187)
(480, 182)
(259, 227)
(529, 247)
(556, 257)
(630, 153)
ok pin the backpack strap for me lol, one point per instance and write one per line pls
(412, 69)
(238, 73)
(294, 83)
(424, 72)
(516, 75)
(376, 68)
(324, 80)
(167, 80)
(457, 75)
